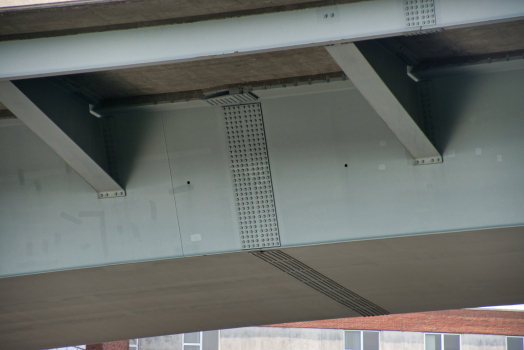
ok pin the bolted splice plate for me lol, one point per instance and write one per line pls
(251, 176)
(418, 13)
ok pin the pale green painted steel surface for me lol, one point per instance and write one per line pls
(50, 219)
(479, 185)
(235, 36)
(196, 143)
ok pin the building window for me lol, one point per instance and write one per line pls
(361, 340)
(193, 341)
(514, 343)
(439, 341)
(133, 344)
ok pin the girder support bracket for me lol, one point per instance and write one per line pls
(63, 121)
(381, 78)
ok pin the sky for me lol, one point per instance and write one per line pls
(518, 307)
(8, 3)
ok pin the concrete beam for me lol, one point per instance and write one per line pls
(383, 82)
(238, 36)
(62, 121)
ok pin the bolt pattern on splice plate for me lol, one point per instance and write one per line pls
(251, 176)
(418, 13)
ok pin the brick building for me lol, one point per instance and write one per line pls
(464, 329)
(438, 330)
(114, 345)
(449, 321)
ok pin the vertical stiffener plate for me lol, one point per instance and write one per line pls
(251, 176)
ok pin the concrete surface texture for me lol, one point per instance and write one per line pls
(155, 298)
(483, 342)
(207, 75)
(260, 338)
(347, 266)
(395, 340)
(84, 16)
(230, 290)
(167, 342)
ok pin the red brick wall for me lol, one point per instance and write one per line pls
(95, 346)
(114, 345)
(451, 321)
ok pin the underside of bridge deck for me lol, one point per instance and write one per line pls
(170, 167)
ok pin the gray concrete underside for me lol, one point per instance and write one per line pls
(407, 274)
(207, 75)
(92, 16)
